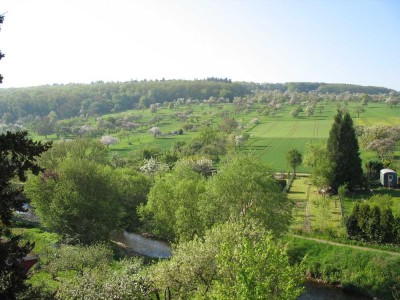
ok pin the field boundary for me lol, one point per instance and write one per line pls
(344, 245)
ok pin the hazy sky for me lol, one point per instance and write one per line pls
(63, 41)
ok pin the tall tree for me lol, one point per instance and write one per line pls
(17, 156)
(343, 152)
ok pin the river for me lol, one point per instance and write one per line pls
(157, 249)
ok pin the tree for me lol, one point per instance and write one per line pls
(172, 210)
(343, 152)
(294, 159)
(234, 260)
(228, 125)
(359, 110)
(381, 139)
(80, 148)
(244, 187)
(383, 147)
(17, 156)
(316, 157)
(155, 131)
(47, 124)
(83, 199)
(295, 113)
(309, 111)
(108, 140)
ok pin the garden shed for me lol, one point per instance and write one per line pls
(388, 178)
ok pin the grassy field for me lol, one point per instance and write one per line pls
(270, 140)
(276, 135)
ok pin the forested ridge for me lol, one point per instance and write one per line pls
(71, 100)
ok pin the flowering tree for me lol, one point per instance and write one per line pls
(155, 131)
(108, 140)
(151, 167)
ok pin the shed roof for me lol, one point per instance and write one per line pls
(384, 171)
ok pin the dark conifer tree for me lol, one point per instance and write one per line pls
(343, 151)
(17, 155)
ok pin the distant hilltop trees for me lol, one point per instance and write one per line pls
(97, 98)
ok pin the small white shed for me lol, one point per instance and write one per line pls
(388, 178)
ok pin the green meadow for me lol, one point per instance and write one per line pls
(270, 140)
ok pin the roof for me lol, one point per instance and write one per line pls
(384, 171)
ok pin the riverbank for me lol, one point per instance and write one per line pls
(372, 274)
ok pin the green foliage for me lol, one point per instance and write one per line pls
(88, 272)
(294, 159)
(77, 258)
(17, 156)
(372, 274)
(373, 168)
(183, 203)
(94, 284)
(245, 187)
(81, 148)
(373, 224)
(41, 239)
(343, 152)
(172, 209)
(84, 200)
(12, 272)
(235, 260)
(255, 270)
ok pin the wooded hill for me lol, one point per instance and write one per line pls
(72, 100)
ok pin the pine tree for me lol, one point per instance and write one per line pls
(17, 156)
(343, 152)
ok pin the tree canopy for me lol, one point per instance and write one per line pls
(234, 260)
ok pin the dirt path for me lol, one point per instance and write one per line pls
(345, 245)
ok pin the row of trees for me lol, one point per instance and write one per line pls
(373, 224)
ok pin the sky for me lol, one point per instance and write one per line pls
(82, 41)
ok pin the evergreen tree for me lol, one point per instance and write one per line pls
(17, 155)
(343, 152)
(387, 226)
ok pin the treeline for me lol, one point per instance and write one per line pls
(100, 98)
(373, 224)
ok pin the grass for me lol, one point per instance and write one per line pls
(325, 216)
(270, 140)
(369, 273)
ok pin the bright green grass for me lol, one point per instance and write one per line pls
(321, 217)
(275, 136)
(298, 194)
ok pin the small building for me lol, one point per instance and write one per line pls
(388, 178)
